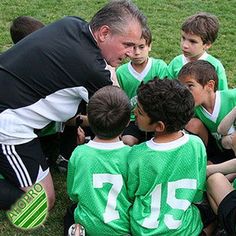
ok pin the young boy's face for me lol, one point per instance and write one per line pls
(198, 91)
(192, 46)
(140, 52)
(143, 119)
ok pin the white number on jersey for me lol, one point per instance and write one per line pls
(152, 222)
(110, 213)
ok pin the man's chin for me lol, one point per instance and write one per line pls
(115, 63)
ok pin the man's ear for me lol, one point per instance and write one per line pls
(160, 127)
(102, 33)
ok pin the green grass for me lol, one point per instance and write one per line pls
(165, 18)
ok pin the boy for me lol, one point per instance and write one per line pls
(97, 171)
(167, 174)
(211, 106)
(222, 195)
(23, 26)
(198, 33)
(130, 75)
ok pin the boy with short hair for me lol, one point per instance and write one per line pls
(167, 174)
(23, 26)
(211, 106)
(198, 33)
(140, 68)
(97, 171)
(222, 195)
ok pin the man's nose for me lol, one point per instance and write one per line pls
(130, 51)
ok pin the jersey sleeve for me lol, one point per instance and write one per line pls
(70, 178)
(162, 69)
(174, 67)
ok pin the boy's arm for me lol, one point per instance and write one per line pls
(227, 122)
(224, 168)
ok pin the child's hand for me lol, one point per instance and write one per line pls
(210, 170)
(80, 136)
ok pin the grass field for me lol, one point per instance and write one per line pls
(165, 18)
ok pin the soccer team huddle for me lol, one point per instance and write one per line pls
(161, 160)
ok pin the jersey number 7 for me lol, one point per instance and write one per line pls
(110, 213)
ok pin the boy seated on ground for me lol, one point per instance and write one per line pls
(211, 105)
(97, 170)
(167, 174)
(198, 33)
(130, 75)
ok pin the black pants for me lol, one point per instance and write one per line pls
(9, 194)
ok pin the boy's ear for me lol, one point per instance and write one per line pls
(207, 46)
(211, 85)
(160, 127)
(150, 48)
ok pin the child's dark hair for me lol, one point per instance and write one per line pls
(202, 24)
(168, 101)
(108, 112)
(202, 71)
(147, 35)
(23, 26)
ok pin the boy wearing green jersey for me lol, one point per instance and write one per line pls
(211, 106)
(130, 75)
(198, 33)
(167, 174)
(222, 194)
(97, 171)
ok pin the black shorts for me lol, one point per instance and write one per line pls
(133, 130)
(215, 154)
(206, 212)
(23, 165)
(227, 213)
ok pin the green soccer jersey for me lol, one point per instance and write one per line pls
(234, 184)
(178, 62)
(52, 128)
(96, 181)
(1, 177)
(164, 181)
(224, 103)
(129, 79)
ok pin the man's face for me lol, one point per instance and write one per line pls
(117, 46)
